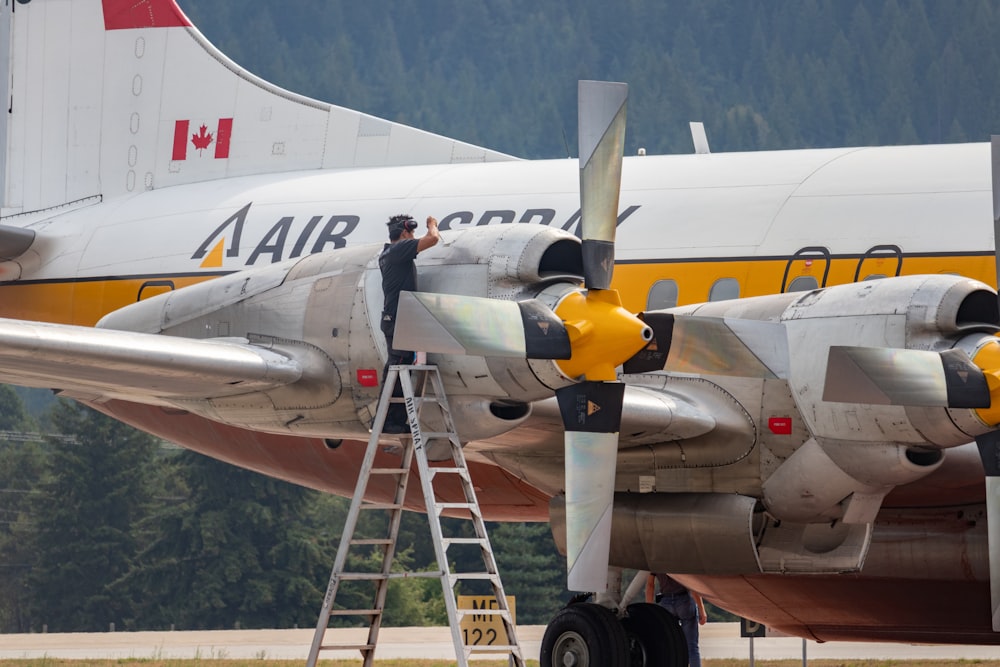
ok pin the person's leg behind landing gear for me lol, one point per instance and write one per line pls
(689, 626)
(682, 606)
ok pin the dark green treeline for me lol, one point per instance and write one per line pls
(761, 74)
(101, 524)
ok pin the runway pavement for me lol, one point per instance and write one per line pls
(719, 640)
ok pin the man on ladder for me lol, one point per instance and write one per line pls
(400, 273)
(417, 387)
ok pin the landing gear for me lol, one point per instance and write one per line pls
(584, 635)
(654, 637)
(590, 635)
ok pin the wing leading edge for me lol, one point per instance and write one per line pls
(144, 368)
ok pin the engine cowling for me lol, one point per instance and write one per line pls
(858, 452)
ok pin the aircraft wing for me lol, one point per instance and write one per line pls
(145, 368)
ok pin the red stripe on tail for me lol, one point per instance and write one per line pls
(222, 136)
(180, 139)
(125, 14)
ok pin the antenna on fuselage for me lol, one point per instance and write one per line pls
(699, 138)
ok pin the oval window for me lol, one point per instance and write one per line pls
(663, 294)
(724, 289)
(803, 284)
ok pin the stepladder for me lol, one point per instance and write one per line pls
(366, 564)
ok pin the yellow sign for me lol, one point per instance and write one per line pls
(483, 629)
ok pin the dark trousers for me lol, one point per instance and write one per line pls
(683, 606)
(397, 411)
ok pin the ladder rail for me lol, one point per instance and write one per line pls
(389, 553)
(350, 525)
(437, 537)
(434, 509)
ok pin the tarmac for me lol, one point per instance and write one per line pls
(718, 640)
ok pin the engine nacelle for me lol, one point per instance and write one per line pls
(324, 311)
(936, 312)
(858, 452)
(933, 313)
(719, 534)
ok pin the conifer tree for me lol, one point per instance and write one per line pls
(237, 551)
(22, 463)
(86, 513)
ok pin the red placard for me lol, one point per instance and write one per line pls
(367, 377)
(780, 425)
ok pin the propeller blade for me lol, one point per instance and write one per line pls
(601, 120)
(891, 376)
(591, 413)
(452, 324)
(712, 346)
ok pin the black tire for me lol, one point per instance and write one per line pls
(585, 634)
(654, 637)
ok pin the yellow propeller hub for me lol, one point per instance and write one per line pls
(602, 334)
(988, 359)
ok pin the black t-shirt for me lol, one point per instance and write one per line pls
(669, 586)
(398, 272)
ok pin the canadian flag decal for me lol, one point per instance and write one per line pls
(202, 139)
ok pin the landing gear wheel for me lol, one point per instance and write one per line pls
(654, 637)
(584, 635)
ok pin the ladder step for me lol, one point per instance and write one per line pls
(355, 612)
(484, 612)
(437, 574)
(475, 576)
(464, 540)
(389, 471)
(372, 541)
(347, 647)
(378, 576)
(455, 506)
(417, 400)
(494, 648)
(381, 506)
(455, 471)
(362, 576)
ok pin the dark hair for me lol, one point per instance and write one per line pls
(398, 223)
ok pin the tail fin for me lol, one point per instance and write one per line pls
(112, 97)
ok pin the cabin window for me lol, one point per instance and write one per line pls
(803, 284)
(724, 289)
(663, 294)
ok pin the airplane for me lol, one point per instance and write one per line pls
(781, 365)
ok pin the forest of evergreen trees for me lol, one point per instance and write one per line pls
(761, 74)
(111, 526)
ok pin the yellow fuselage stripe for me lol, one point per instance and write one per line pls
(84, 302)
(759, 277)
